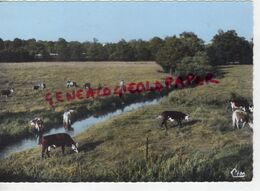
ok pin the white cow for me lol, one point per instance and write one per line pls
(67, 118)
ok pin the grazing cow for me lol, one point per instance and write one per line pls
(173, 116)
(39, 86)
(240, 116)
(71, 84)
(87, 85)
(7, 93)
(58, 140)
(37, 124)
(67, 118)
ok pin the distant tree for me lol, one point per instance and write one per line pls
(41, 49)
(122, 52)
(140, 49)
(175, 49)
(2, 44)
(191, 43)
(17, 43)
(229, 48)
(76, 51)
(62, 49)
(95, 51)
(154, 45)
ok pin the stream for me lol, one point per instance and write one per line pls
(78, 127)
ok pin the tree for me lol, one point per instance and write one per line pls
(154, 45)
(76, 51)
(197, 65)
(122, 52)
(2, 44)
(95, 51)
(62, 49)
(140, 49)
(191, 43)
(174, 49)
(229, 48)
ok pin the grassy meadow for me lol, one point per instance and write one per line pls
(26, 103)
(205, 149)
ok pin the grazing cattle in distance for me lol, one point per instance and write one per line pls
(67, 118)
(71, 84)
(39, 86)
(57, 140)
(173, 116)
(37, 124)
(240, 116)
(7, 93)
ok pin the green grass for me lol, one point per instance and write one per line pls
(205, 149)
(25, 104)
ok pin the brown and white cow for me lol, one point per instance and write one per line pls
(37, 124)
(39, 86)
(71, 84)
(57, 140)
(7, 93)
(240, 116)
(173, 116)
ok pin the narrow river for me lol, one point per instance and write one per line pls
(78, 126)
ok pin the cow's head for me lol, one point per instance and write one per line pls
(187, 118)
(74, 147)
(71, 111)
(251, 108)
(11, 90)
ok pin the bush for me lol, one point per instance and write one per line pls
(198, 65)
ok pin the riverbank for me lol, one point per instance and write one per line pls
(25, 103)
(205, 149)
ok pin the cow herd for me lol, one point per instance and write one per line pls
(242, 116)
(55, 140)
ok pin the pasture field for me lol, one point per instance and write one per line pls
(205, 149)
(26, 103)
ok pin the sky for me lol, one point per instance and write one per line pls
(113, 21)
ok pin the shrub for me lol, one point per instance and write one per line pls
(198, 65)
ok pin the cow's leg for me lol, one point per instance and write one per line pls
(48, 151)
(180, 124)
(63, 149)
(162, 123)
(165, 124)
(234, 123)
(43, 150)
(237, 124)
(244, 124)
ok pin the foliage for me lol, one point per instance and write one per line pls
(228, 48)
(198, 64)
(176, 48)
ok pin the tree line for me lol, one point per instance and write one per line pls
(172, 52)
